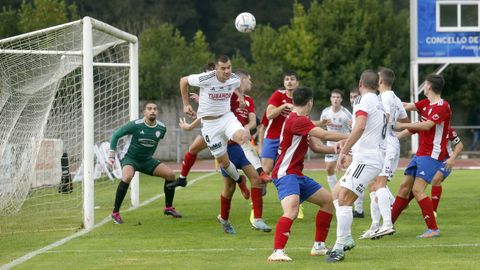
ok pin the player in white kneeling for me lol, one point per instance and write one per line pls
(381, 198)
(367, 144)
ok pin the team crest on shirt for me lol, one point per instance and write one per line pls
(157, 133)
(435, 117)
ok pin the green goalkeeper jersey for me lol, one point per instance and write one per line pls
(144, 138)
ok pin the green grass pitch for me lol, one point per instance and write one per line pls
(150, 240)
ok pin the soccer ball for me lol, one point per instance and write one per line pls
(245, 22)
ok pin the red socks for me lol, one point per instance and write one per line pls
(257, 202)
(282, 232)
(322, 223)
(225, 207)
(436, 194)
(187, 163)
(398, 205)
(427, 212)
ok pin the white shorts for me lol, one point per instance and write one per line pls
(218, 131)
(331, 157)
(358, 176)
(390, 165)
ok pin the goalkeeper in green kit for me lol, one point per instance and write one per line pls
(145, 134)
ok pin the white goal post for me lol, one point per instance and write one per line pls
(75, 83)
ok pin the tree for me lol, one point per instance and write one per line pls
(8, 22)
(333, 42)
(165, 56)
(45, 13)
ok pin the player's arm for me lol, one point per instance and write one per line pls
(327, 135)
(187, 108)
(274, 111)
(318, 147)
(404, 134)
(419, 126)
(241, 98)
(410, 106)
(357, 131)
(404, 120)
(261, 134)
(120, 132)
(186, 126)
(450, 162)
(252, 122)
(320, 123)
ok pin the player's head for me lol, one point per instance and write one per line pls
(336, 97)
(368, 81)
(290, 80)
(245, 80)
(150, 110)
(353, 94)
(209, 67)
(303, 97)
(435, 83)
(386, 77)
(223, 66)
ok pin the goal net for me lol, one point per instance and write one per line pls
(63, 90)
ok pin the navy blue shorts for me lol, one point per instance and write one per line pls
(292, 184)
(424, 167)
(236, 156)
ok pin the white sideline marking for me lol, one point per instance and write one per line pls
(82, 232)
(208, 250)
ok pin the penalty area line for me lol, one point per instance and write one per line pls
(82, 232)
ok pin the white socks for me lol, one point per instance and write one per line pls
(251, 155)
(232, 172)
(344, 224)
(358, 204)
(374, 210)
(384, 206)
(332, 181)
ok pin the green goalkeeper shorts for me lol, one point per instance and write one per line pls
(145, 166)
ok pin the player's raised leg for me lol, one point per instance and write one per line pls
(189, 159)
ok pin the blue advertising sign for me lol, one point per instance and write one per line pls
(442, 44)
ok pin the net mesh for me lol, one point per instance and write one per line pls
(41, 118)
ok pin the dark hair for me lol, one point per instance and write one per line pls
(369, 79)
(436, 81)
(387, 75)
(355, 90)
(209, 67)
(242, 72)
(337, 91)
(302, 95)
(290, 73)
(148, 102)
(222, 58)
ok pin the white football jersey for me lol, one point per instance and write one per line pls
(394, 108)
(338, 120)
(370, 148)
(214, 97)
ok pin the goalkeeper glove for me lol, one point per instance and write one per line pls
(111, 159)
